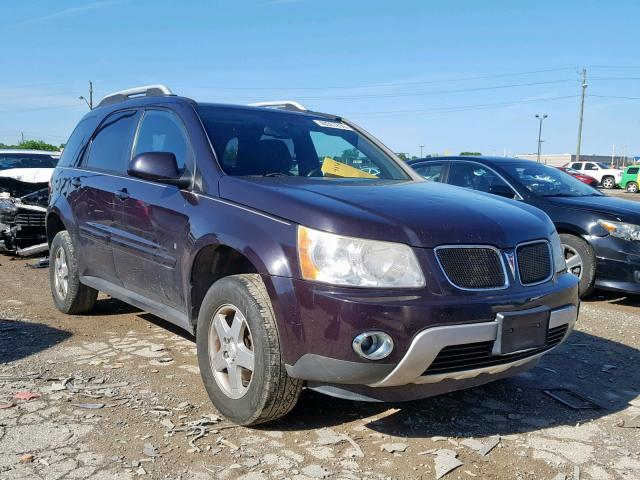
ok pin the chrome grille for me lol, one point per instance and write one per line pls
(32, 219)
(472, 268)
(534, 262)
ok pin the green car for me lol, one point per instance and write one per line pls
(629, 179)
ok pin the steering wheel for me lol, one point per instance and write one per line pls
(316, 172)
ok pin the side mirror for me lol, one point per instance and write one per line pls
(502, 190)
(160, 167)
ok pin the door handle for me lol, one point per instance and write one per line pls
(122, 194)
(75, 181)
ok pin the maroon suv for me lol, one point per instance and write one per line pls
(301, 252)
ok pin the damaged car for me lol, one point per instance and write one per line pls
(24, 195)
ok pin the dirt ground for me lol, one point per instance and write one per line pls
(117, 394)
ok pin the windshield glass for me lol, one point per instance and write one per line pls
(26, 160)
(543, 181)
(273, 143)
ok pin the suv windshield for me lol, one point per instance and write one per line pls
(268, 142)
(26, 160)
(543, 181)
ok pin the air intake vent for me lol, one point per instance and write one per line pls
(473, 268)
(534, 263)
(457, 358)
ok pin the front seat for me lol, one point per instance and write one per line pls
(274, 157)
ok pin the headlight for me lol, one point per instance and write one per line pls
(626, 231)
(329, 258)
(558, 252)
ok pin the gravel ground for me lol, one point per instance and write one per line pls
(117, 394)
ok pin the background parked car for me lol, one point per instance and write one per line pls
(600, 234)
(589, 180)
(630, 179)
(24, 196)
(607, 176)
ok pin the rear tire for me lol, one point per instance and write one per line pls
(237, 331)
(69, 295)
(608, 182)
(581, 262)
(632, 187)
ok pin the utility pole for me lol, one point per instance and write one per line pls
(21, 137)
(90, 101)
(421, 147)
(584, 90)
(613, 154)
(541, 118)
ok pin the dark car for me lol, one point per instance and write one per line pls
(263, 230)
(592, 182)
(600, 234)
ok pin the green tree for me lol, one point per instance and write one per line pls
(402, 156)
(33, 145)
(470, 154)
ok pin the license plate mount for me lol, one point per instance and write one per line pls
(518, 331)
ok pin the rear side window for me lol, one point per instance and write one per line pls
(110, 149)
(632, 170)
(590, 166)
(162, 131)
(430, 171)
(76, 142)
(27, 160)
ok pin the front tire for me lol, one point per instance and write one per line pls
(632, 187)
(608, 183)
(69, 295)
(581, 262)
(239, 353)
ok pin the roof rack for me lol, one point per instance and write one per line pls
(282, 105)
(145, 91)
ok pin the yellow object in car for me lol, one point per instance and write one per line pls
(333, 168)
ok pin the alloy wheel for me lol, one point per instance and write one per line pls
(61, 269)
(573, 260)
(608, 183)
(632, 187)
(231, 353)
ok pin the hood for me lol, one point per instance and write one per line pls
(623, 210)
(28, 175)
(421, 214)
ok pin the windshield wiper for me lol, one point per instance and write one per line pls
(275, 174)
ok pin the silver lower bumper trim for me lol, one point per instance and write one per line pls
(427, 344)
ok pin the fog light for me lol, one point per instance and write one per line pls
(373, 345)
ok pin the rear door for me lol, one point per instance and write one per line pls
(153, 225)
(93, 198)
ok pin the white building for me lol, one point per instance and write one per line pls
(562, 159)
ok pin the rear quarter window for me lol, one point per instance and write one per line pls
(76, 143)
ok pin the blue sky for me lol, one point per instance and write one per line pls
(451, 75)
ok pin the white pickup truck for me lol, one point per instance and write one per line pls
(607, 177)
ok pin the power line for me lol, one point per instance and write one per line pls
(435, 92)
(393, 84)
(614, 96)
(37, 109)
(461, 107)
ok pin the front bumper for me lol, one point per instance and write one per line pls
(617, 264)
(414, 367)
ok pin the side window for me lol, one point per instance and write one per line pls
(632, 170)
(163, 132)
(576, 166)
(110, 148)
(76, 142)
(430, 171)
(476, 177)
(590, 166)
(230, 154)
